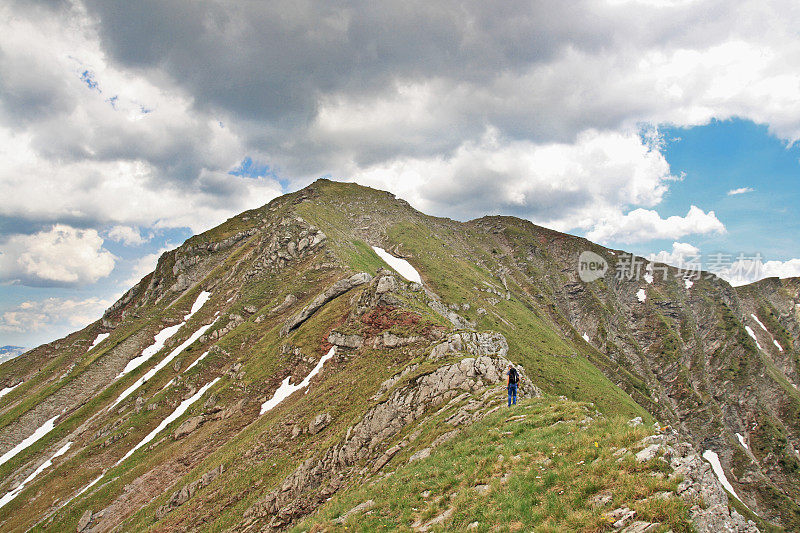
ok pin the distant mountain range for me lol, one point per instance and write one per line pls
(10, 352)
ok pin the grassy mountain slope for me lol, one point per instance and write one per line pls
(682, 357)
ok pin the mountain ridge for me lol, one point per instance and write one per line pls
(682, 356)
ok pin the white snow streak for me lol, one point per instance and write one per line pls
(47, 464)
(775, 342)
(87, 487)
(195, 362)
(286, 389)
(184, 405)
(100, 338)
(401, 266)
(38, 434)
(202, 298)
(586, 337)
(163, 335)
(759, 322)
(687, 283)
(750, 332)
(713, 458)
(641, 295)
(150, 351)
(164, 362)
(742, 442)
(6, 390)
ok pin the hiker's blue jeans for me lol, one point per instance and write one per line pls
(512, 394)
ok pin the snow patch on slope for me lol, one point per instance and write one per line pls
(182, 408)
(202, 298)
(401, 266)
(100, 338)
(87, 487)
(687, 283)
(40, 432)
(741, 441)
(713, 458)
(759, 322)
(586, 337)
(6, 390)
(641, 294)
(196, 361)
(286, 389)
(44, 466)
(150, 351)
(163, 335)
(777, 344)
(164, 362)
(753, 335)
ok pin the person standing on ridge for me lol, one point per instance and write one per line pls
(512, 380)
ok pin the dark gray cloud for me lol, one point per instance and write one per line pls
(311, 88)
(272, 60)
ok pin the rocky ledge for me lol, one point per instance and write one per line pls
(366, 442)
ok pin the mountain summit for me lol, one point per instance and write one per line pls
(335, 359)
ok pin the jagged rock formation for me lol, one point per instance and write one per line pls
(699, 486)
(365, 442)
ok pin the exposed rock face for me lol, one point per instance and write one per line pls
(390, 340)
(700, 483)
(295, 241)
(345, 341)
(319, 423)
(337, 289)
(315, 480)
(189, 425)
(183, 495)
(700, 487)
(84, 521)
(386, 284)
(485, 343)
(289, 301)
(454, 318)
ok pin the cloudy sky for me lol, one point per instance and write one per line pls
(660, 127)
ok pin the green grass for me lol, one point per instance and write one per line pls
(553, 466)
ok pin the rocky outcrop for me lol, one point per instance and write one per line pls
(319, 423)
(337, 289)
(182, 495)
(699, 487)
(316, 479)
(345, 341)
(483, 343)
(189, 425)
(84, 521)
(454, 318)
(294, 240)
(289, 301)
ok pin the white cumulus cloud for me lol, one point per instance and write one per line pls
(643, 225)
(738, 269)
(33, 316)
(62, 255)
(127, 235)
(587, 184)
